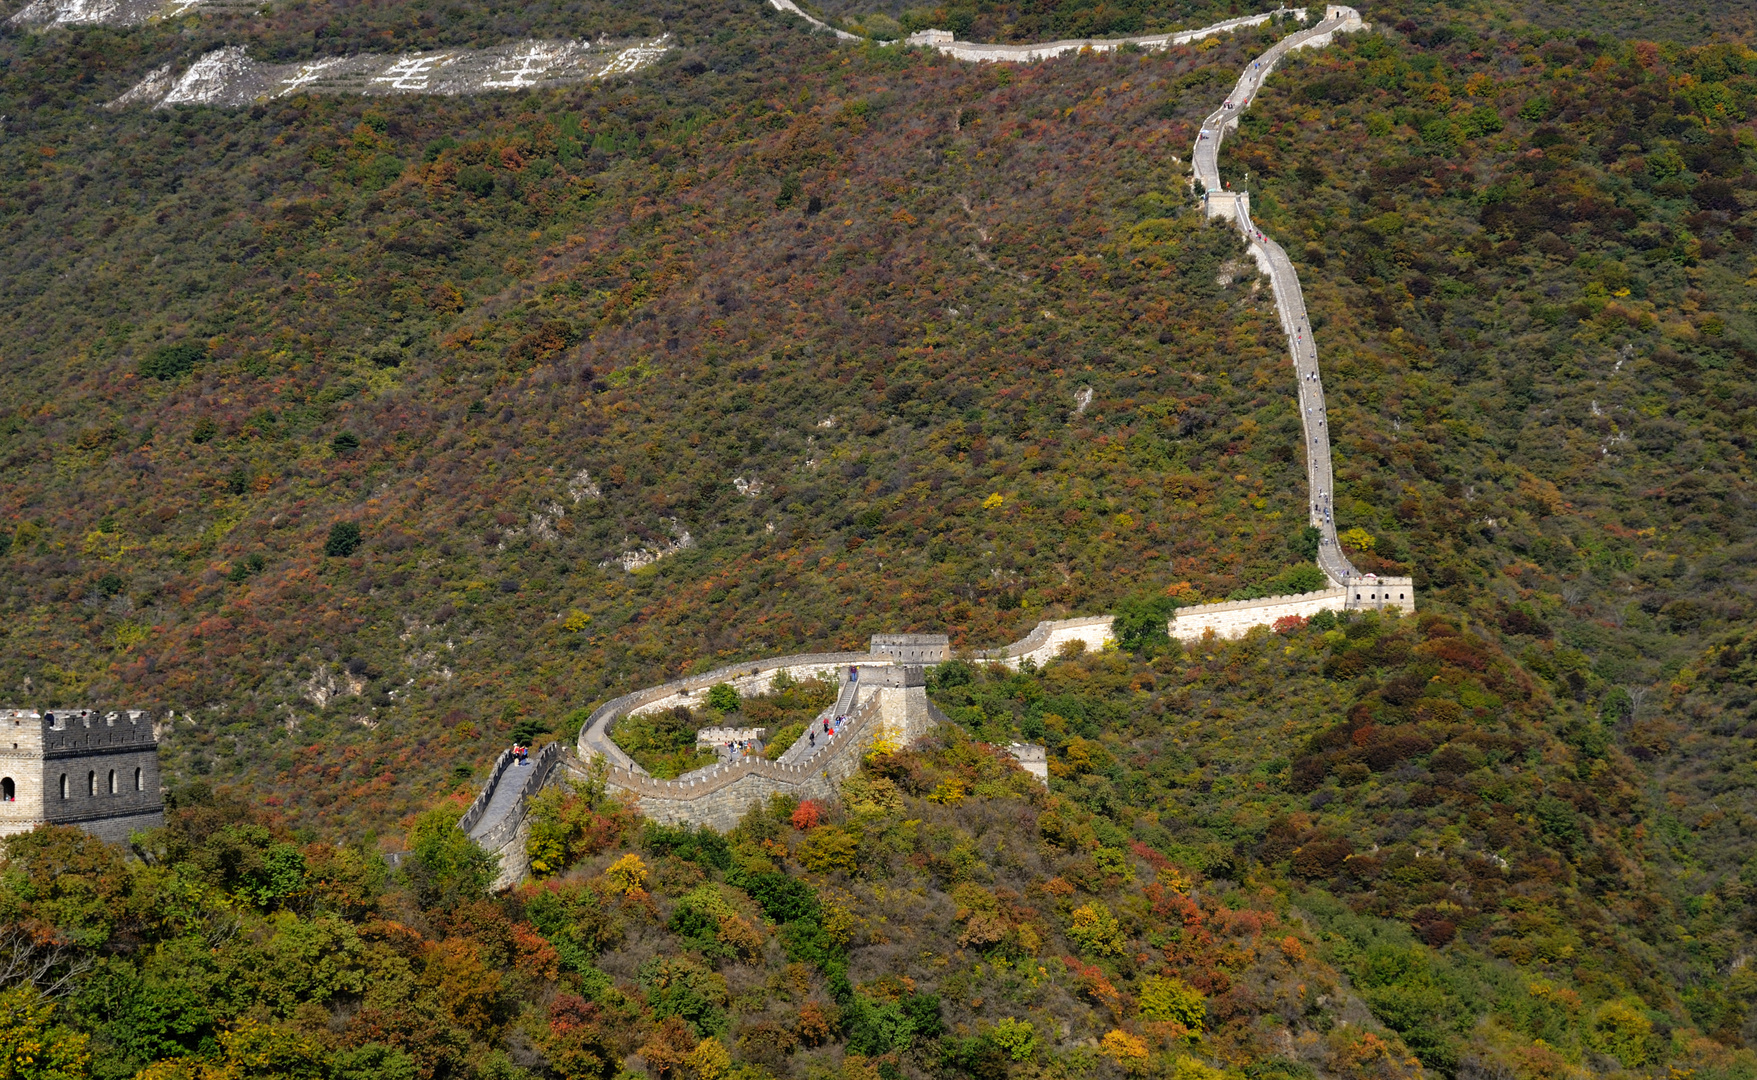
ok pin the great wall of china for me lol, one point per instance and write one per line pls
(882, 697)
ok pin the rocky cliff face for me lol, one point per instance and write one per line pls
(229, 76)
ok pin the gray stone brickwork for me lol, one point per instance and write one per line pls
(98, 769)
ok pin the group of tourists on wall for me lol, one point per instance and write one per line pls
(736, 748)
(829, 730)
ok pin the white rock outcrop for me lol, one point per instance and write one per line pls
(228, 76)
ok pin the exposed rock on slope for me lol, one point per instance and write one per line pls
(229, 76)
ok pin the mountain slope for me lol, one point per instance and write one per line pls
(365, 434)
(507, 391)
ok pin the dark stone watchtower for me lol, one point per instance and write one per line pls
(97, 770)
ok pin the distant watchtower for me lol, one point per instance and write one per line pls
(97, 770)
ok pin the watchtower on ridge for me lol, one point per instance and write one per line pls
(97, 770)
(912, 648)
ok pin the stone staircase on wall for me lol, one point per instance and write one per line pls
(499, 821)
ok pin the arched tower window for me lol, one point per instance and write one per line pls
(137, 779)
(63, 785)
(91, 783)
(8, 790)
(112, 781)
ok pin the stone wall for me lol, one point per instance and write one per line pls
(1045, 641)
(1228, 205)
(1373, 593)
(118, 829)
(719, 797)
(512, 861)
(913, 648)
(943, 41)
(87, 785)
(903, 710)
(473, 816)
(753, 679)
(506, 833)
(21, 761)
(720, 736)
(1236, 618)
(722, 808)
(1031, 757)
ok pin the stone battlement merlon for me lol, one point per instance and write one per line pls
(64, 729)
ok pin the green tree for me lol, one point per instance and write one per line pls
(445, 866)
(1016, 1038)
(1622, 1030)
(1170, 998)
(170, 361)
(1095, 930)
(723, 698)
(33, 1048)
(279, 877)
(1142, 624)
(344, 540)
(1305, 543)
(374, 1061)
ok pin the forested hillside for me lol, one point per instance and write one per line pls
(739, 318)
(365, 434)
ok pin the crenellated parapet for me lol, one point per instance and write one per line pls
(1236, 618)
(881, 701)
(78, 731)
(94, 768)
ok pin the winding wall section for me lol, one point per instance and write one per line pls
(1289, 298)
(943, 41)
(897, 706)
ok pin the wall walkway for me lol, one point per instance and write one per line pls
(498, 820)
(943, 41)
(1289, 298)
(1046, 641)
